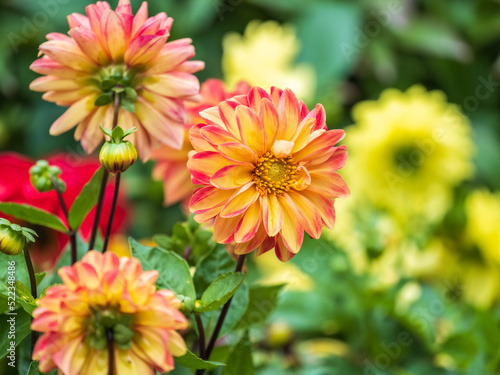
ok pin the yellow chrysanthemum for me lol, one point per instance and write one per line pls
(264, 56)
(483, 216)
(408, 150)
(104, 297)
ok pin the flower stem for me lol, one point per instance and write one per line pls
(31, 273)
(111, 353)
(112, 213)
(71, 232)
(105, 176)
(97, 217)
(222, 317)
(201, 333)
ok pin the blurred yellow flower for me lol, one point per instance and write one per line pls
(264, 56)
(408, 149)
(482, 209)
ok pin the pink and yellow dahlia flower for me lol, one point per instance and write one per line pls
(101, 294)
(268, 169)
(171, 163)
(110, 52)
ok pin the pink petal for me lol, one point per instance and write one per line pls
(143, 48)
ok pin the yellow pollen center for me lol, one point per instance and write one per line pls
(274, 175)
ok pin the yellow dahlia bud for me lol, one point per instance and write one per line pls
(13, 237)
(40, 177)
(116, 154)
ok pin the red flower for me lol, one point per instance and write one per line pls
(15, 186)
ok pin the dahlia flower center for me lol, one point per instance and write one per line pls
(103, 322)
(274, 175)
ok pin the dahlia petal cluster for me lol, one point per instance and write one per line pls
(170, 164)
(268, 170)
(101, 294)
(110, 52)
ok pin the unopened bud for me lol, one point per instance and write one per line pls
(13, 237)
(40, 177)
(117, 155)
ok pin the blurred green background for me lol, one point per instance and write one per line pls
(335, 317)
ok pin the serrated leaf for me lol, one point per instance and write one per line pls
(33, 215)
(24, 298)
(192, 361)
(262, 301)
(219, 292)
(239, 305)
(173, 271)
(86, 200)
(213, 264)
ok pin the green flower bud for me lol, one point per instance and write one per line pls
(116, 154)
(13, 237)
(40, 177)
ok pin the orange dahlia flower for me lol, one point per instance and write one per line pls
(102, 294)
(268, 166)
(171, 163)
(111, 52)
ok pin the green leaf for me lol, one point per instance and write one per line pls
(33, 215)
(39, 277)
(86, 200)
(262, 302)
(130, 94)
(438, 39)
(24, 298)
(219, 292)
(239, 305)
(103, 99)
(163, 241)
(240, 360)
(213, 264)
(34, 370)
(22, 323)
(192, 361)
(127, 105)
(107, 84)
(173, 271)
(331, 20)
